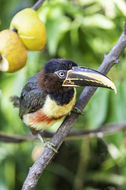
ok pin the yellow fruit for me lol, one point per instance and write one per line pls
(30, 29)
(13, 54)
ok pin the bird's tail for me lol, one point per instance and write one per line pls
(15, 100)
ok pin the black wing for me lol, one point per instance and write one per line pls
(32, 97)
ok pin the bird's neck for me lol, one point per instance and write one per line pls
(63, 97)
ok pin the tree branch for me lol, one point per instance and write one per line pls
(45, 158)
(15, 138)
(38, 4)
(105, 130)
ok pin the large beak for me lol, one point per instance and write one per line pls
(81, 76)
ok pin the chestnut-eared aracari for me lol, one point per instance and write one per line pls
(50, 95)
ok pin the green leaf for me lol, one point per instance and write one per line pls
(97, 20)
(97, 108)
(56, 28)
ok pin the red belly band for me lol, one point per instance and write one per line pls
(39, 116)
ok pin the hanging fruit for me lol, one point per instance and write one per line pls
(30, 29)
(13, 54)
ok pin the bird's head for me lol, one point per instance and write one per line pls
(59, 75)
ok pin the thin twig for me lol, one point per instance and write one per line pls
(105, 130)
(45, 158)
(15, 138)
(38, 4)
(74, 134)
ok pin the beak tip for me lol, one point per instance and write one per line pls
(112, 86)
(115, 90)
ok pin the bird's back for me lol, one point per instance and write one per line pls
(32, 97)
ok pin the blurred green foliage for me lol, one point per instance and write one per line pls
(82, 31)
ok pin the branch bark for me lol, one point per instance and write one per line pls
(38, 167)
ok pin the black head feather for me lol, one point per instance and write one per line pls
(58, 64)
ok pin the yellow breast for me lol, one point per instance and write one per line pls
(52, 109)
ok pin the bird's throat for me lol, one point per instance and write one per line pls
(62, 98)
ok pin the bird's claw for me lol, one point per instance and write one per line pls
(50, 145)
(76, 110)
(47, 144)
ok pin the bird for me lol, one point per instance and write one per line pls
(50, 95)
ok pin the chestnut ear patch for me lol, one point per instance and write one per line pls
(49, 82)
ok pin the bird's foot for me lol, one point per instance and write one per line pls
(47, 144)
(50, 145)
(76, 110)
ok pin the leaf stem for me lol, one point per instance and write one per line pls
(38, 4)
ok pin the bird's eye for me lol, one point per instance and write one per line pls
(61, 74)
